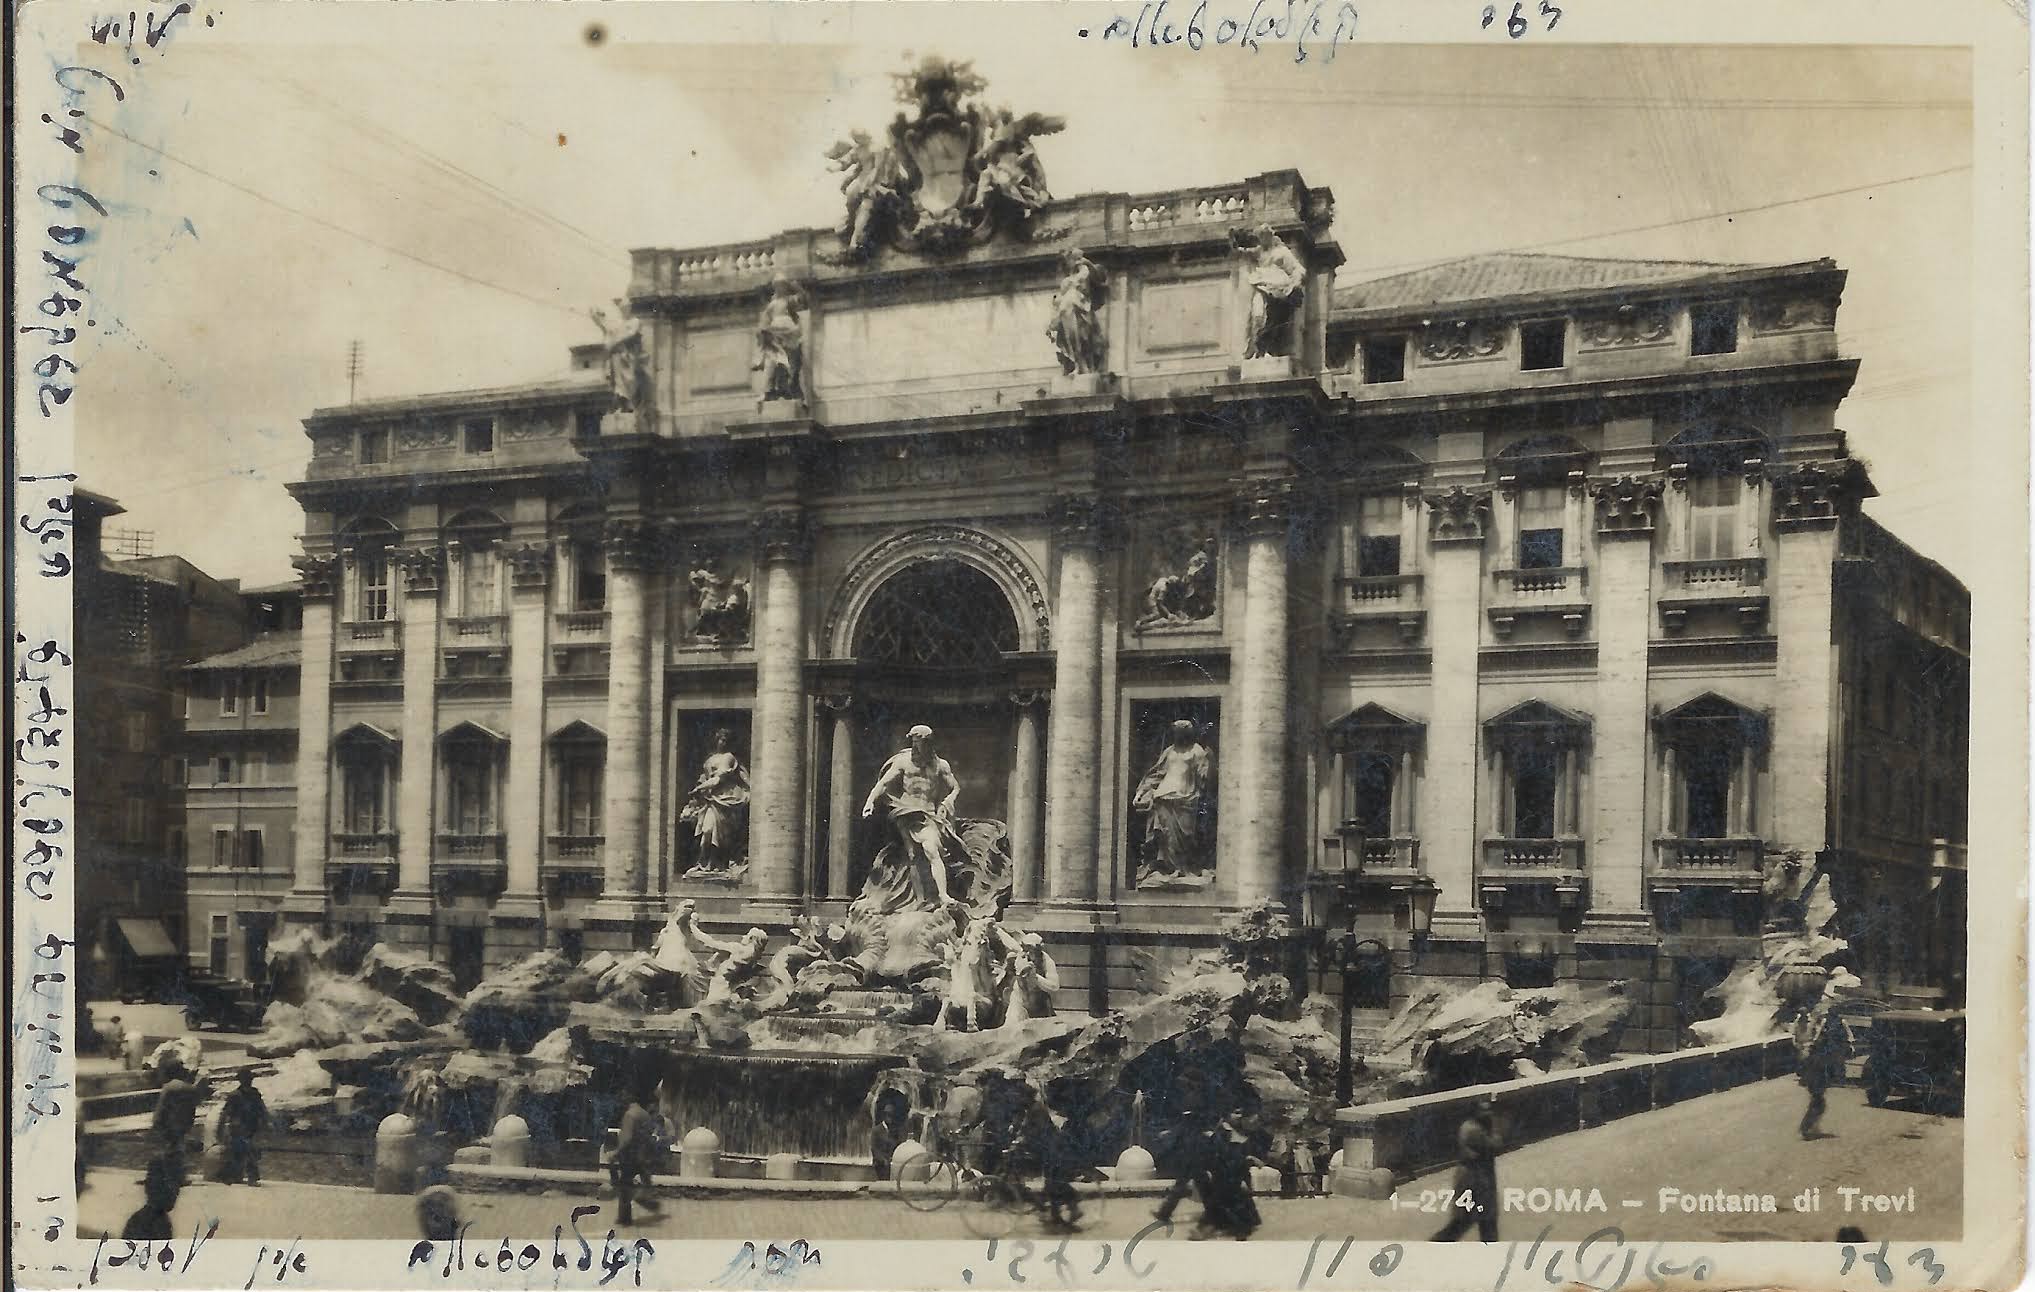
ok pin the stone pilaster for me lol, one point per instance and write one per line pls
(778, 745)
(1263, 693)
(523, 814)
(841, 804)
(1071, 770)
(626, 780)
(1457, 521)
(1626, 510)
(1809, 502)
(1025, 804)
(306, 902)
(415, 797)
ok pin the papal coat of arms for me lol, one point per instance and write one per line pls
(953, 174)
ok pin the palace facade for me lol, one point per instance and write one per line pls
(1533, 589)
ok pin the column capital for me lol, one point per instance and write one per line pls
(784, 534)
(1081, 518)
(530, 564)
(631, 542)
(1266, 507)
(1627, 504)
(837, 701)
(421, 567)
(320, 574)
(1458, 515)
(1815, 495)
(1028, 696)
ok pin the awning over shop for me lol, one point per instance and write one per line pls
(147, 939)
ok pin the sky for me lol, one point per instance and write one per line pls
(456, 194)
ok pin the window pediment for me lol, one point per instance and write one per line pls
(1373, 726)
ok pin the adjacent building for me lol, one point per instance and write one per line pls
(1515, 613)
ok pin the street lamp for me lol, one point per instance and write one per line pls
(1351, 957)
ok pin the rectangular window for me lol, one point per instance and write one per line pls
(137, 733)
(1541, 516)
(478, 435)
(1713, 517)
(1371, 776)
(137, 820)
(586, 424)
(251, 849)
(374, 447)
(222, 770)
(258, 699)
(373, 570)
(218, 950)
(1542, 344)
(589, 576)
(1713, 328)
(229, 694)
(222, 850)
(180, 771)
(1536, 778)
(470, 795)
(1384, 359)
(366, 782)
(1707, 773)
(1378, 535)
(477, 567)
(254, 769)
(579, 794)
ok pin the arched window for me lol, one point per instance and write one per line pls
(940, 615)
(473, 552)
(1712, 755)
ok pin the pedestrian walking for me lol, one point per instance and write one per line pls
(160, 1185)
(1477, 1147)
(1821, 1064)
(635, 1151)
(176, 1109)
(245, 1117)
(1227, 1206)
(438, 1213)
(1306, 1174)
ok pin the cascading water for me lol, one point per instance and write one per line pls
(764, 1102)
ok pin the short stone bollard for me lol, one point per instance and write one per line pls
(781, 1166)
(509, 1145)
(699, 1155)
(133, 1049)
(911, 1164)
(1335, 1161)
(395, 1155)
(1264, 1179)
(1135, 1166)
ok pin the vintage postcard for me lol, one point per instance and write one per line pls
(1230, 644)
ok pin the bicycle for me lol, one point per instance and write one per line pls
(995, 1203)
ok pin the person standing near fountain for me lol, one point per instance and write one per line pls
(921, 789)
(634, 1153)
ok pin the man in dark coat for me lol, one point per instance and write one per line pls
(159, 1187)
(244, 1117)
(634, 1155)
(1477, 1147)
(176, 1109)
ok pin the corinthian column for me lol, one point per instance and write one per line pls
(1024, 798)
(626, 779)
(1071, 770)
(777, 746)
(306, 902)
(1263, 693)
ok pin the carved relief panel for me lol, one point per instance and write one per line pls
(1176, 577)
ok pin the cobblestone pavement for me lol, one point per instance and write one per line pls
(1740, 1140)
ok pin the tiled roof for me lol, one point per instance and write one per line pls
(577, 383)
(271, 650)
(1513, 273)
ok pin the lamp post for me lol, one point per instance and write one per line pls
(1348, 955)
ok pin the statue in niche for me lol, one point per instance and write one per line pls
(1185, 597)
(717, 809)
(780, 341)
(1174, 799)
(1076, 329)
(627, 373)
(1277, 281)
(720, 604)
